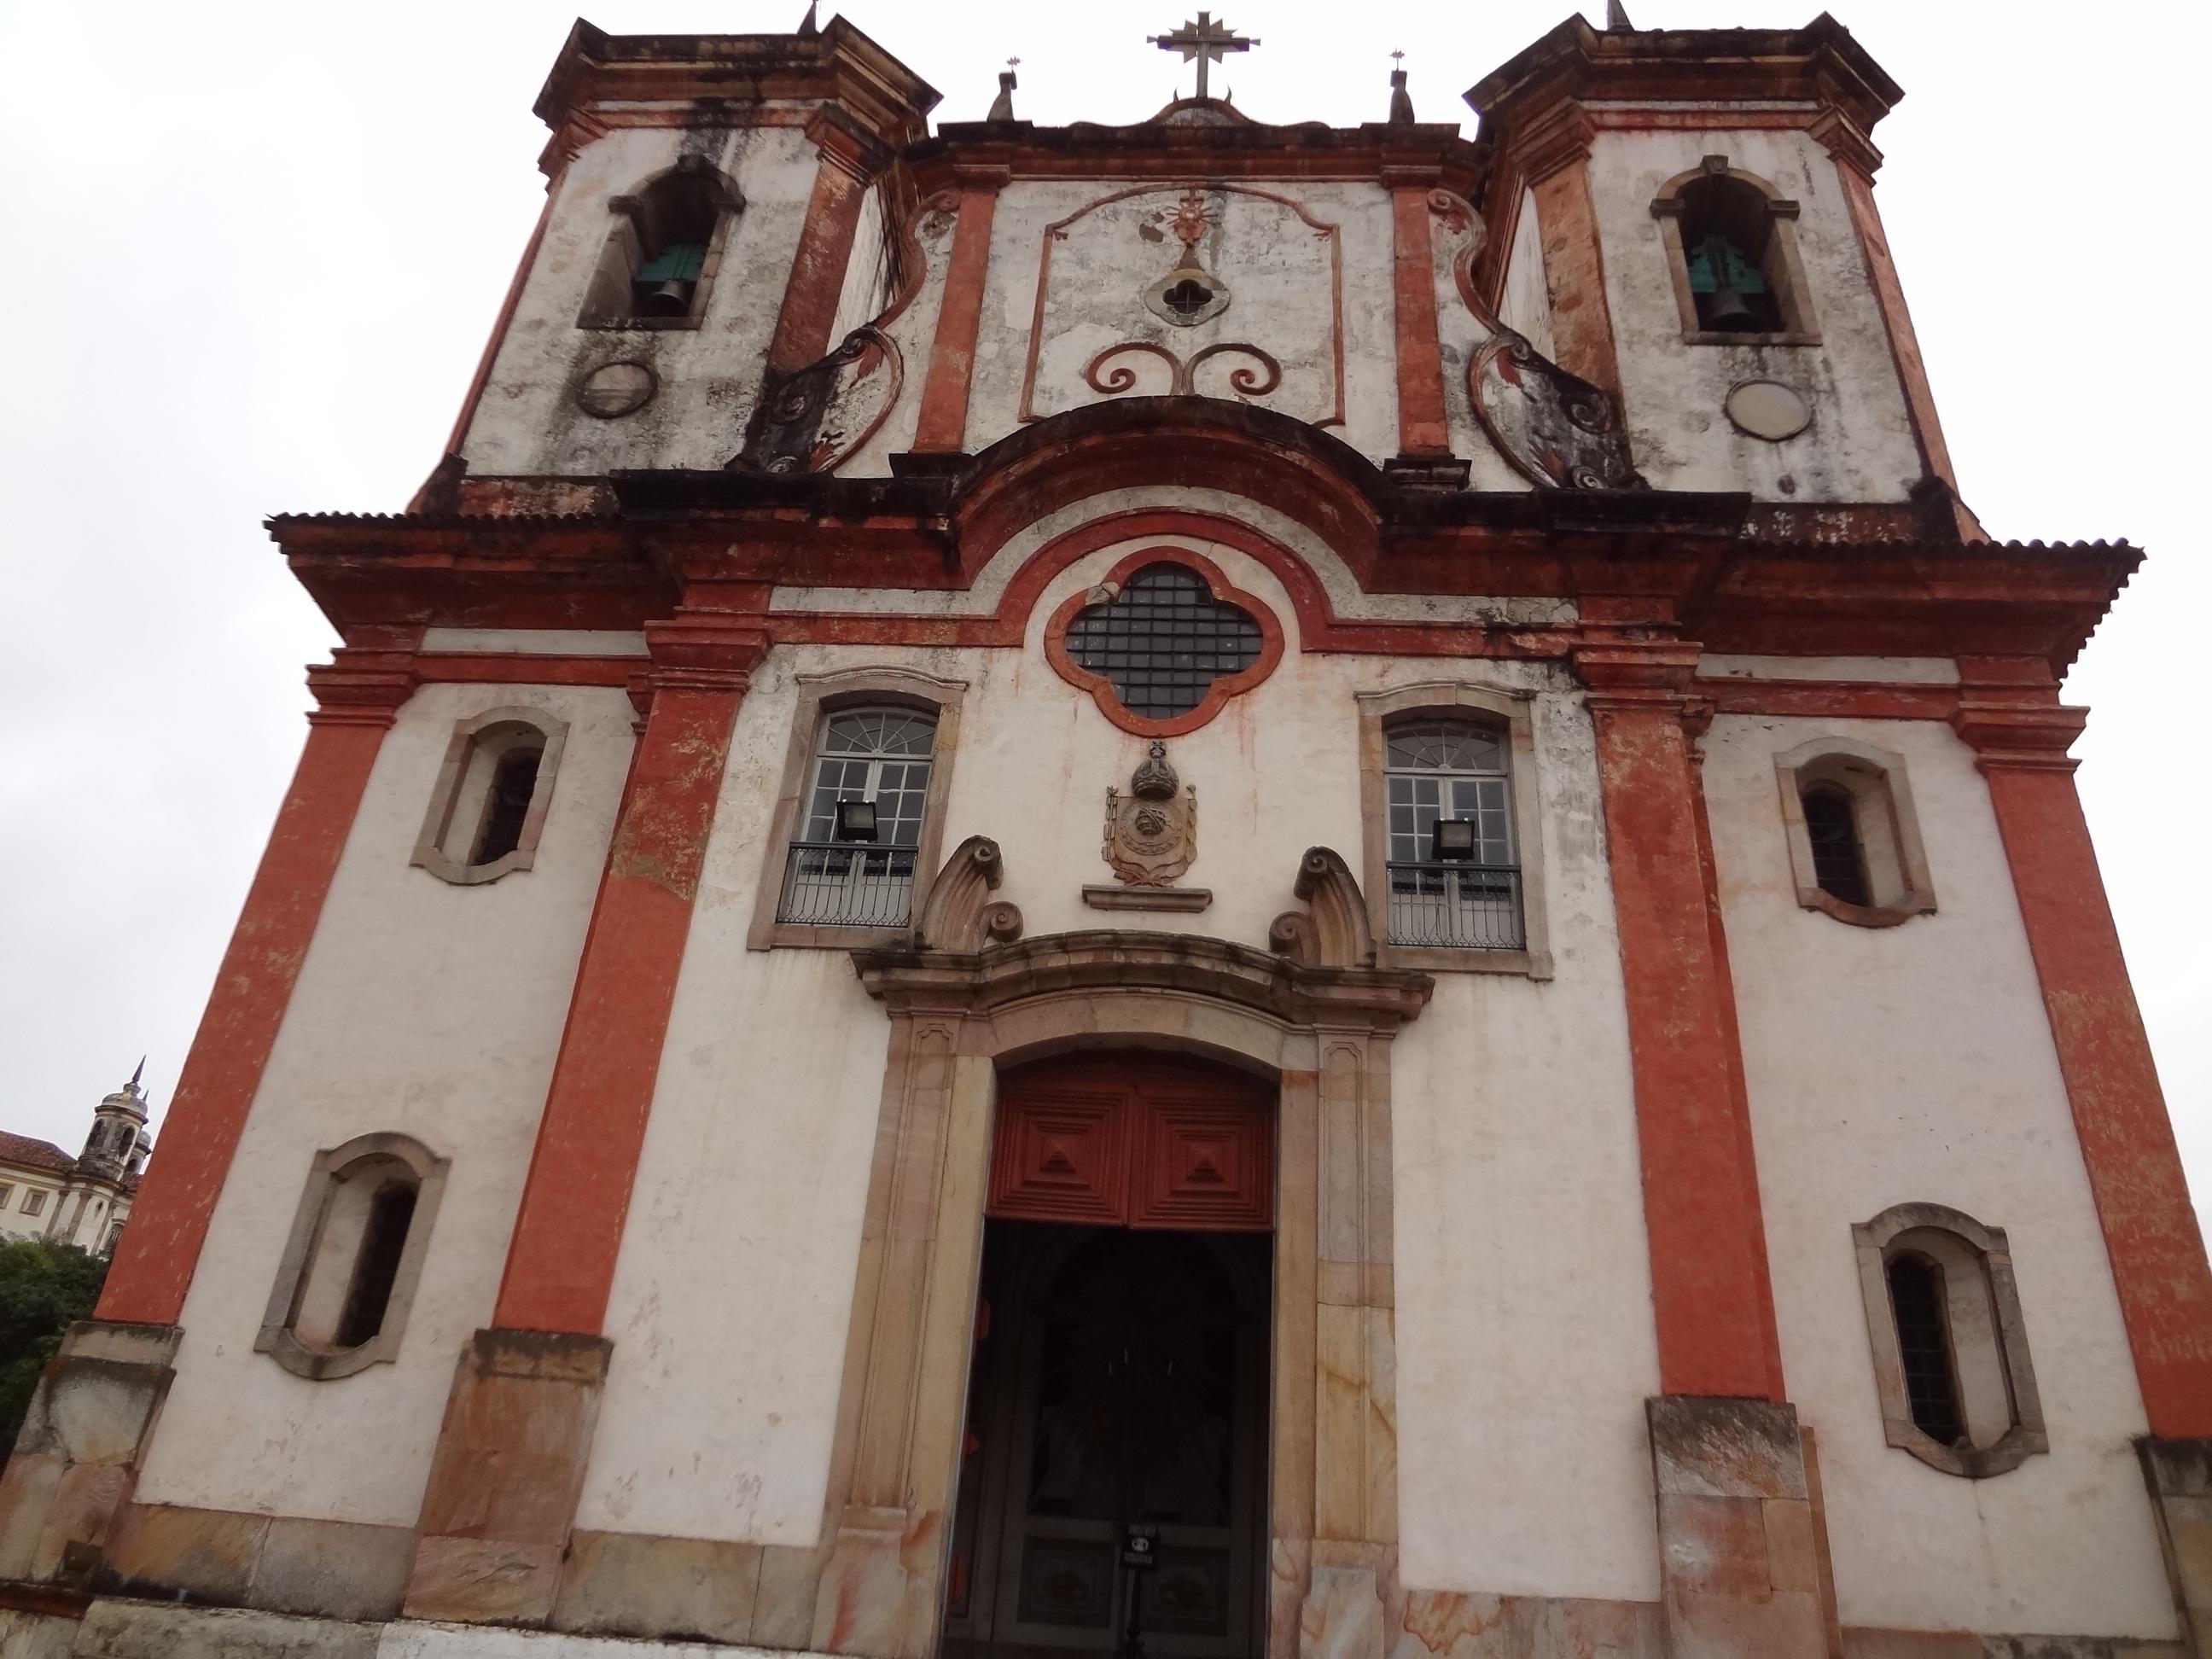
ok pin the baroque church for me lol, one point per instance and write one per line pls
(1184, 891)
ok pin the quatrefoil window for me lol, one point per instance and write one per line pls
(1161, 647)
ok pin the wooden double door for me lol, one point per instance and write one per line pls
(1112, 1490)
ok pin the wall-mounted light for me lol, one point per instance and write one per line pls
(856, 820)
(1453, 841)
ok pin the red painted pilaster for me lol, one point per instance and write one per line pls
(561, 1262)
(357, 694)
(850, 158)
(1423, 429)
(2021, 733)
(1574, 258)
(942, 425)
(1701, 1206)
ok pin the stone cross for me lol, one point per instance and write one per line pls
(1205, 40)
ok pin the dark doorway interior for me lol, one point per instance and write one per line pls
(1118, 1410)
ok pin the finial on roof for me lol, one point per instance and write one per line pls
(1401, 101)
(135, 1076)
(808, 27)
(1002, 106)
(1616, 16)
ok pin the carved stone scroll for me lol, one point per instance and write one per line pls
(959, 913)
(1554, 428)
(1333, 931)
(818, 416)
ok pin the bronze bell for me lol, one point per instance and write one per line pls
(669, 298)
(1729, 310)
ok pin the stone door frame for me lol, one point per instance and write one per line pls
(1322, 1034)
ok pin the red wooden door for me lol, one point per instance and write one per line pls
(1135, 1140)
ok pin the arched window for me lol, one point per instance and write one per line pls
(1731, 239)
(851, 861)
(489, 807)
(659, 259)
(1952, 1367)
(356, 1253)
(1855, 847)
(1455, 874)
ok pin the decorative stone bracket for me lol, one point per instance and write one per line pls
(1333, 931)
(959, 913)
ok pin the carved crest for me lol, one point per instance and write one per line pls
(1151, 832)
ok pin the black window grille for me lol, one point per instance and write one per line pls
(879, 755)
(1923, 1342)
(1163, 640)
(513, 781)
(1838, 859)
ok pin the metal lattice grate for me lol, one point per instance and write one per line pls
(1163, 640)
(1923, 1342)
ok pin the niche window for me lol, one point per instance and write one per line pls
(1731, 242)
(34, 1201)
(1952, 1367)
(1855, 849)
(658, 264)
(489, 807)
(1447, 790)
(350, 1267)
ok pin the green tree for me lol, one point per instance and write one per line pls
(44, 1289)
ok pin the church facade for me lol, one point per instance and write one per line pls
(1196, 889)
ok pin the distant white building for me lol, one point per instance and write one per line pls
(44, 1194)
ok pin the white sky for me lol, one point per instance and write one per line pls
(257, 249)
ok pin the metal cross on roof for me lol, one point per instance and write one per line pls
(1205, 40)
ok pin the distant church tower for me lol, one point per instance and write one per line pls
(1192, 890)
(96, 1194)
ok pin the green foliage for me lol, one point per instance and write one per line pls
(44, 1289)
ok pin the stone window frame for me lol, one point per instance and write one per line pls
(820, 696)
(607, 299)
(34, 1200)
(1514, 711)
(471, 733)
(1988, 1353)
(320, 1364)
(1782, 266)
(1888, 829)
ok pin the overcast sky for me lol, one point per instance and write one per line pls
(256, 250)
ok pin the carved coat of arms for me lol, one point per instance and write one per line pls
(1151, 832)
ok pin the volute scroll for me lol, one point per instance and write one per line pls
(959, 913)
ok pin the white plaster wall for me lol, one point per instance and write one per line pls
(528, 421)
(1460, 334)
(1115, 308)
(13, 1223)
(422, 1007)
(862, 295)
(1860, 446)
(1525, 307)
(1526, 1347)
(1915, 1063)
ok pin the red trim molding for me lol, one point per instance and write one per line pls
(1229, 685)
(2021, 734)
(358, 694)
(561, 1260)
(1709, 1290)
(941, 428)
(850, 159)
(1423, 429)
(1574, 266)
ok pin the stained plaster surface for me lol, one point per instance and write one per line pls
(424, 1008)
(1511, 1103)
(1915, 1063)
(1860, 446)
(710, 376)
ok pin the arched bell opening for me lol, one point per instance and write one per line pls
(1111, 1495)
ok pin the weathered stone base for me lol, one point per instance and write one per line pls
(76, 1458)
(280, 1564)
(505, 1478)
(1436, 1625)
(1964, 1644)
(2180, 1473)
(1739, 1558)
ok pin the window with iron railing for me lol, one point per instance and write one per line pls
(1460, 889)
(852, 862)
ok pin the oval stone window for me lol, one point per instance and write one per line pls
(1159, 645)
